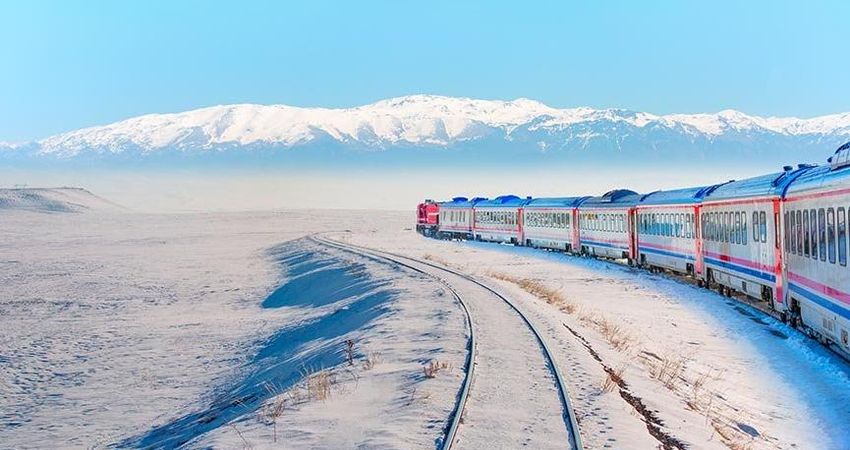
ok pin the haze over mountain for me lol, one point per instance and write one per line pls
(475, 128)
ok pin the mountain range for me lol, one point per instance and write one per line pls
(476, 127)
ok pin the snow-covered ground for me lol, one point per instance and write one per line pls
(151, 330)
(133, 329)
(713, 373)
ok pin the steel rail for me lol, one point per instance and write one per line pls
(460, 404)
(569, 413)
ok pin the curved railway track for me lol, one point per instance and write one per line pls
(428, 268)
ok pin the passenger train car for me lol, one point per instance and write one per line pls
(605, 224)
(668, 231)
(741, 239)
(455, 218)
(551, 223)
(499, 219)
(781, 238)
(814, 216)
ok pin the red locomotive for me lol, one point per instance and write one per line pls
(427, 218)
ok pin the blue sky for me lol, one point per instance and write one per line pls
(69, 64)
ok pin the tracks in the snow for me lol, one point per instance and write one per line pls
(511, 405)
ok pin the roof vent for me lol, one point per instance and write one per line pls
(841, 158)
(460, 199)
(787, 168)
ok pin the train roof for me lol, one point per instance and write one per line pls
(555, 202)
(611, 199)
(683, 196)
(761, 186)
(824, 175)
(503, 201)
(461, 202)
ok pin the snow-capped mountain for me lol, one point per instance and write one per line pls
(442, 122)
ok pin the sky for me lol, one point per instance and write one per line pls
(70, 64)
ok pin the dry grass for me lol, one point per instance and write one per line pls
(371, 360)
(613, 380)
(436, 259)
(669, 371)
(539, 290)
(615, 335)
(434, 367)
(318, 384)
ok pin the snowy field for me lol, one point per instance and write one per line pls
(229, 330)
(711, 372)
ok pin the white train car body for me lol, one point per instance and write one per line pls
(815, 214)
(740, 236)
(668, 232)
(551, 223)
(606, 224)
(499, 219)
(456, 218)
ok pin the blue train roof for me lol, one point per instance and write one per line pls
(681, 196)
(461, 202)
(764, 185)
(503, 201)
(817, 176)
(611, 199)
(555, 202)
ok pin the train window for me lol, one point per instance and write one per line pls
(822, 234)
(744, 227)
(762, 227)
(712, 226)
(830, 235)
(727, 227)
(813, 224)
(791, 232)
(806, 233)
(755, 226)
(737, 228)
(681, 225)
(787, 235)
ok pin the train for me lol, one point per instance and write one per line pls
(780, 239)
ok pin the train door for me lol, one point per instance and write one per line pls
(520, 228)
(697, 235)
(632, 234)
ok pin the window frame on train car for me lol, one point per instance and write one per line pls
(790, 232)
(737, 227)
(744, 229)
(830, 235)
(841, 228)
(813, 222)
(785, 233)
(755, 226)
(713, 221)
(799, 215)
(807, 238)
(821, 233)
(762, 227)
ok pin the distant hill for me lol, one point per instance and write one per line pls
(54, 200)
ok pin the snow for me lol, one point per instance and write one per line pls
(127, 328)
(412, 120)
(741, 371)
(54, 200)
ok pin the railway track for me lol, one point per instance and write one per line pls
(500, 384)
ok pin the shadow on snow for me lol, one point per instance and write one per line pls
(315, 279)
